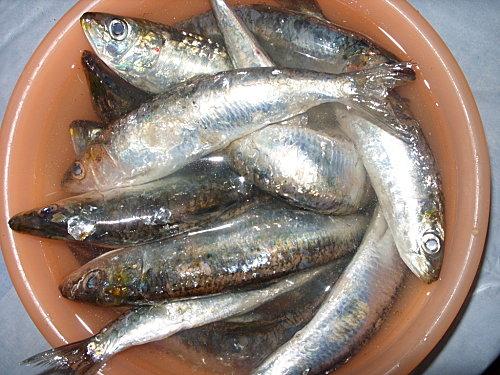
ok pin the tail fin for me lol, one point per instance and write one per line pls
(73, 356)
(372, 88)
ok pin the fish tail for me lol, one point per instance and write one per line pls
(73, 356)
(372, 88)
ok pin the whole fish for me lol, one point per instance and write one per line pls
(263, 243)
(207, 113)
(152, 323)
(242, 342)
(83, 133)
(351, 311)
(406, 180)
(196, 195)
(112, 96)
(308, 169)
(296, 40)
(151, 56)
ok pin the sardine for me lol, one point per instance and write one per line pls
(242, 342)
(112, 96)
(83, 133)
(207, 113)
(152, 323)
(351, 311)
(194, 196)
(263, 243)
(407, 183)
(295, 40)
(153, 57)
(308, 169)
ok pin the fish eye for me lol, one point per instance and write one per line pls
(77, 170)
(47, 211)
(118, 29)
(92, 280)
(431, 243)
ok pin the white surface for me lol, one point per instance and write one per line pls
(472, 32)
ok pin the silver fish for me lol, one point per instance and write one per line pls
(308, 169)
(242, 342)
(194, 196)
(350, 312)
(264, 242)
(406, 180)
(153, 57)
(207, 113)
(152, 323)
(295, 40)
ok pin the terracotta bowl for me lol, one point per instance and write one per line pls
(35, 150)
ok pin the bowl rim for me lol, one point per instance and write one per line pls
(475, 130)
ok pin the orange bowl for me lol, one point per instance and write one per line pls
(35, 150)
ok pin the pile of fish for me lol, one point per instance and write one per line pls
(254, 187)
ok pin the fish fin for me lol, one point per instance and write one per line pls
(72, 356)
(310, 8)
(371, 92)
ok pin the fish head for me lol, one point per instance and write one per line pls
(426, 257)
(49, 222)
(129, 46)
(94, 170)
(106, 280)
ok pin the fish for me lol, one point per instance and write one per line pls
(351, 312)
(153, 57)
(207, 113)
(307, 168)
(408, 186)
(83, 133)
(112, 96)
(152, 323)
(194, 196)
(242, 342)
(266, 241)
(295, 40)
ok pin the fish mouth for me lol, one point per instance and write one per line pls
(426, 270)
(31, 223)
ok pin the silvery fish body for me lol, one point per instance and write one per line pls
(151, 56)
(207, 113)
(192, 197)
(350, 312)
(152, 323)
(266, 241)
(406, 181)
(296, 40)
(307, 168)
(112, 96)
(242, 342)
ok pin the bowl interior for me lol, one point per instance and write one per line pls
(36, 150)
